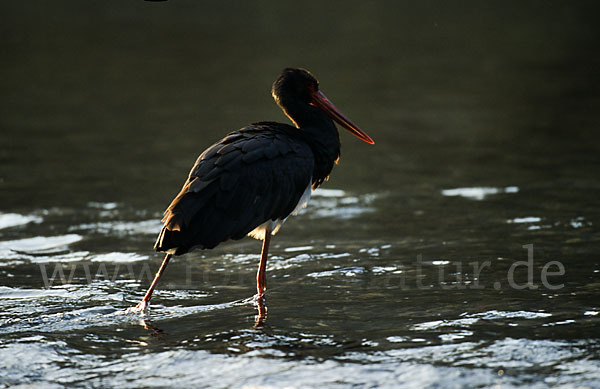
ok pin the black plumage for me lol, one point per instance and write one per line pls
(253, 175)
(253, 179)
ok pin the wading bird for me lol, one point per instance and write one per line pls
(249, 182)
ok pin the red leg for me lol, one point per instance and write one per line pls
(261, 275)
(261, 281)
(141, 307)
(262, 313)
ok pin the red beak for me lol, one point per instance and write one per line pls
(320, 101)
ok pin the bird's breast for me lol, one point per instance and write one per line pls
(275, 225)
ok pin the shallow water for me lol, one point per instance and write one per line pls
(459, 251)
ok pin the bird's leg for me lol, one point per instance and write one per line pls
(262, 313)
(261, 275)
(142, 305)
(261, 281)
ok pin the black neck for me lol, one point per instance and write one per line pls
(320, 133)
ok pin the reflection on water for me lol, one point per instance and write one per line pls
(345, 312)
(460, 250)
(478, 193)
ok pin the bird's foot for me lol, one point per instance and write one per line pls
(259, 302)
(259, 298)
(140, 308)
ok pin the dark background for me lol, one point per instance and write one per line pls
(120, 97)
(105, 105)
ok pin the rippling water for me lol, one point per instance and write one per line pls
(460, 251)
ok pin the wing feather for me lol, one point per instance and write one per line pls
(251, 176)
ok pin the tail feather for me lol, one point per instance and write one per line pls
(169, 242)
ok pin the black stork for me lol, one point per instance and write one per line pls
(249, 182)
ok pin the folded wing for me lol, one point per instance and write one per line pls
(252, 176)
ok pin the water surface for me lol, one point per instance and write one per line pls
(459, 251)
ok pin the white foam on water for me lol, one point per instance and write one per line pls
(118, 257)
(107, 206)
(334, 203)
(383, 269)
(397, 339)
(493, 315)
(280, 264)
(341, 212)
(526, 219)
(346, 272)
(299, 248)
(478, 192)
(75, 256)
(559, 323)
(453, 336)
(470, 319)
(579, 222)
(38, 244)
(328, 192)
(150, 227)
(18, 293)
(8, 220)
